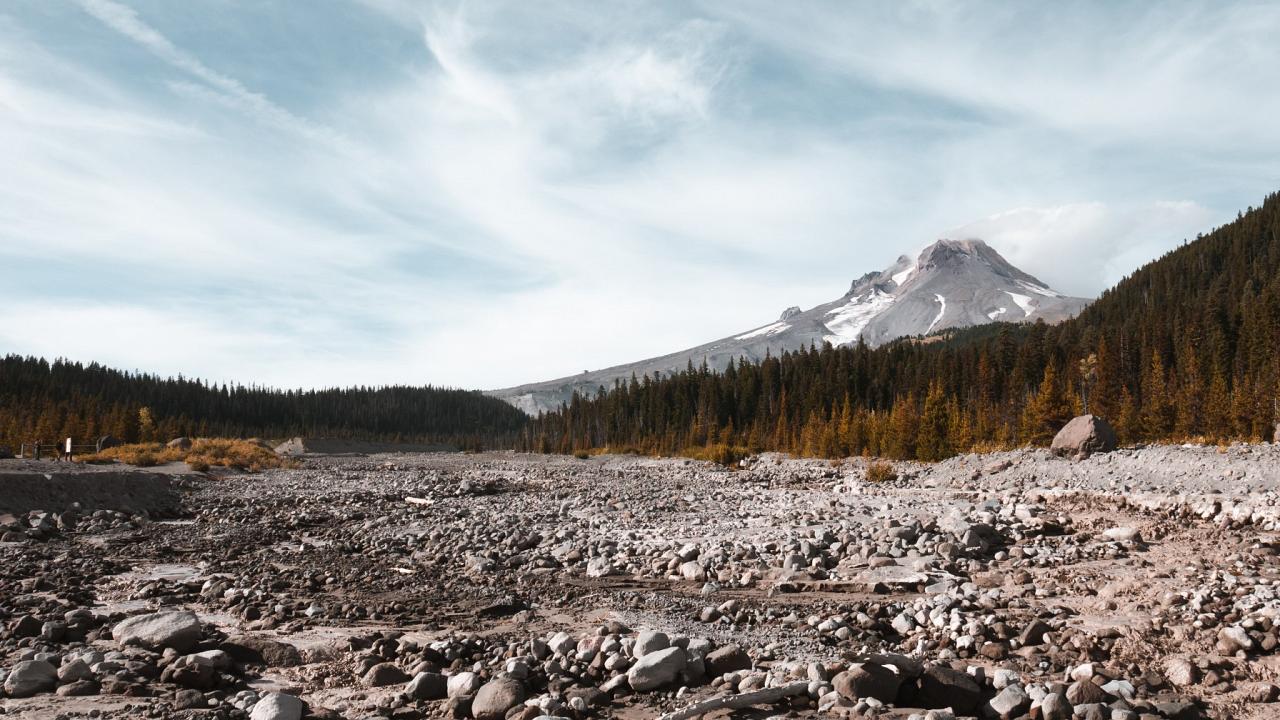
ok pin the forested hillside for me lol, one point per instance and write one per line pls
(49, 401)
(1186, 347)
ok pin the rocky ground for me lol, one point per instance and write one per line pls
(1134, 584)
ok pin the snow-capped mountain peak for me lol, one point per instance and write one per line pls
(951, 283)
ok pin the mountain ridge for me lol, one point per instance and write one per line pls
(951, 283)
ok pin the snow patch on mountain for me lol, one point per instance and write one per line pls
(942, 310)
(902, 277)
(772, 329)
(1024, 302)
(997, 313)
(1038, 289)
(851, 318)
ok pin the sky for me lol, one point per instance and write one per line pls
(362, 192)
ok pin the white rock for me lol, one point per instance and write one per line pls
(277, 706)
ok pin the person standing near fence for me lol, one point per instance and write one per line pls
(67, 454)
(36, 452)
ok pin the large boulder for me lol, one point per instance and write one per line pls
(730, 658)
(1084, 436)
(262, 650)
(277, 706)
(428, 686)
(655, 669)
(292, 446)
(496, 698)
(179, 630)
(106, 442)
(943, 687)
(179, 443)
(30, 677)
(864, 680)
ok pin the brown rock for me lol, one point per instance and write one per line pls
(863, 680)
(1084, 692)
(1083, 436)
(730, 658)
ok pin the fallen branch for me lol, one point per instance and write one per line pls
(417, 501)
(739, 701)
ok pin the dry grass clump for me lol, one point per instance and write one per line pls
(202, 455)
(881, 471)
(722, 454)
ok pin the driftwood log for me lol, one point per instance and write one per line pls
(766, 696)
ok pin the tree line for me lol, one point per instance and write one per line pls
(47, 401)
(1187, 347)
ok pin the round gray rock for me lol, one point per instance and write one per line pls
(463, 684)
(496, 698)
(428, 686)
(30, 677)
(656, 669)
(650, 641)
(384, 674)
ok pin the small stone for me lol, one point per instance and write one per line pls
(1181, 672)
(1055, 706)
(188, 699)
(1232, 639)
(25, 626)
(79, 688)
(650, 641)
(463, 684)
(1084, 692)
(1009, 702)
(1034, 633)
(1123, 534)
(75, 670)
(730, 658)
(562, 643)
(384, 674)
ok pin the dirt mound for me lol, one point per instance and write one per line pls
(131, 491)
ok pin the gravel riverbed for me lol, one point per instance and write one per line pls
(1141, 583)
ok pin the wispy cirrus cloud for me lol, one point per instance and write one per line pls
(124, 20)
(490, 193)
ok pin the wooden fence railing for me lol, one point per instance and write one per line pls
(53, 450)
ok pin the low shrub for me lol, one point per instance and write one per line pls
(722, 454)
(881, 471)
(203, 454)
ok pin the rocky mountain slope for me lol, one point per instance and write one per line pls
(952, 283)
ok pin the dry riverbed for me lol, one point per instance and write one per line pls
(1132, 585)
